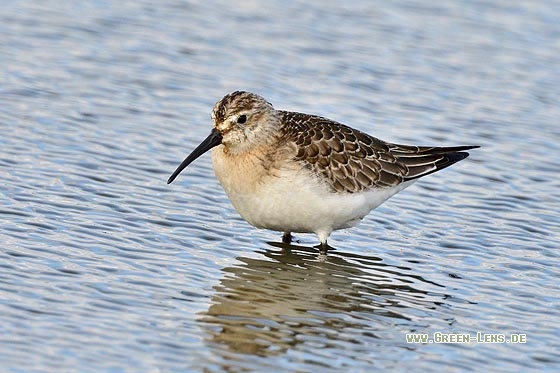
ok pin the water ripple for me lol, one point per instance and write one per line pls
(120, 272)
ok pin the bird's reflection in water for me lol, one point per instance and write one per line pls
(293, 295)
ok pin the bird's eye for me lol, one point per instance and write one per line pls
(242, 119)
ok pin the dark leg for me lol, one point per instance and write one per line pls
(287, 237)
(323, 247)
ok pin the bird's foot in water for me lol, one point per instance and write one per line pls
(287, 237)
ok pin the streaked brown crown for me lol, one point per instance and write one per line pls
(237, 102)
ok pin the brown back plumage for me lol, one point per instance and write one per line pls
(352, 161)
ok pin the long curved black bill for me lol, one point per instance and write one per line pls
(214, 139)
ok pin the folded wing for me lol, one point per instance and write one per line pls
(351, 161)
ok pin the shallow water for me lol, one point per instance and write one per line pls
(104, 267)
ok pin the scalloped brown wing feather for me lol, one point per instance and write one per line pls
(351, 161)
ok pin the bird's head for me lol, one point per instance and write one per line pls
(242, 121)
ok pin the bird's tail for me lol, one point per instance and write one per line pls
(424, 160)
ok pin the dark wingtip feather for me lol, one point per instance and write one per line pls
(449, 156)
(462, 148)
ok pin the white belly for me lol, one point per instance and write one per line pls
(292, 200)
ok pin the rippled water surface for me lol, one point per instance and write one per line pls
(104, 267)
